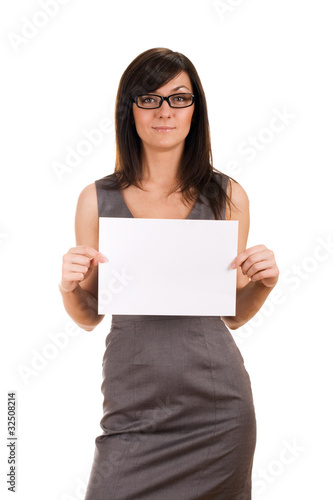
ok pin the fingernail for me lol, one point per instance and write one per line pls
(103, 259)
(233, 266)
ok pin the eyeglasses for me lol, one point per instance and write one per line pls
(153, 101)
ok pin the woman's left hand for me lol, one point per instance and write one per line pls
(258, 264)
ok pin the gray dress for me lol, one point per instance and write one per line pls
(178, 416)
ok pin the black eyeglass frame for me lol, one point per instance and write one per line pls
(165, 99)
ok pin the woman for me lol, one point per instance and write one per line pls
(179, 420)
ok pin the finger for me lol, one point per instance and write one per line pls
(76, 268)
(261, 275)
(238, 261)
(76, 276)
(100, 258)
(72, 276)
(256, 268)
(90, 252)
(255, 258)
(71, 258)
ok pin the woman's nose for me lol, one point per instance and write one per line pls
(164, 109)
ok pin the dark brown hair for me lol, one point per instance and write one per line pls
(146, 73)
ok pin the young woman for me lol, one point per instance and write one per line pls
(179, 420)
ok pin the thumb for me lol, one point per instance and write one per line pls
(99, 258)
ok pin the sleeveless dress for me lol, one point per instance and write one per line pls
(178, 415)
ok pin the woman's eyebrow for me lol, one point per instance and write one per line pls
(179, 87)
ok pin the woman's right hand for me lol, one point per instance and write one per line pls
(77, 265)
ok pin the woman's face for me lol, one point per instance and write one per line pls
(165, 128)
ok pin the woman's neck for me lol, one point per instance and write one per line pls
(160, 168)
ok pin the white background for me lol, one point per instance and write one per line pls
(256, 57)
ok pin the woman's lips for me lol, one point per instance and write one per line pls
(163, 129)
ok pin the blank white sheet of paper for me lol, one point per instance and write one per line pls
(167, 267)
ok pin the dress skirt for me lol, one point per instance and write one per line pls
(178, 415)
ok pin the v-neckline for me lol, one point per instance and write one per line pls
(132, 216)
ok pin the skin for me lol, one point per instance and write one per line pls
(257, 272)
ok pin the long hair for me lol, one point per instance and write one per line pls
(146, 73)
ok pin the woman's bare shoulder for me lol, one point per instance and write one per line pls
(88, 196)
(87, 207)
(86, 217)
(239, 199)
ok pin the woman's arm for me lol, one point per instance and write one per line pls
(78, 284)
(257, 272)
